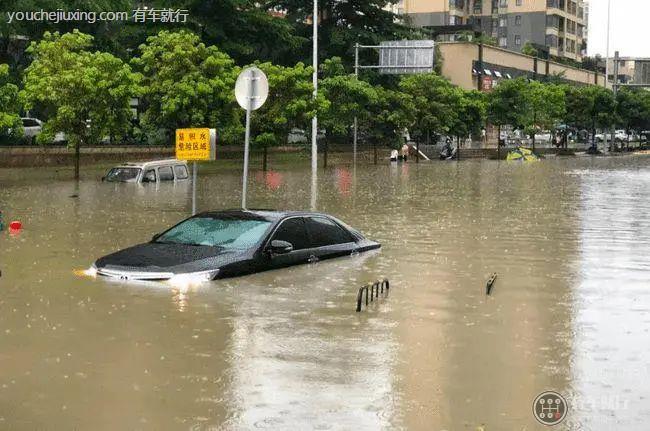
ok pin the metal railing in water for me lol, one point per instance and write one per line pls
(372, 291)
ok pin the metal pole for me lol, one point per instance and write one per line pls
(314, 121)
(615, 90)
(246, 151)
(356, 125)
(195, 174)
(609, 10)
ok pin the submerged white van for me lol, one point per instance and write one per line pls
(149, 172)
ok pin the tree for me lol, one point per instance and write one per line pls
(544, 107)
(348, 98)
(342, 24)
(290, 105)
(188, 84)
(529, 49)
(9, 105)
(88, 93)
(436, 101)
(393, 113)
(633, 110)
(590, 107)
(505, 104)
(472, 113)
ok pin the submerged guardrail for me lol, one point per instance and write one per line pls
(372, 291)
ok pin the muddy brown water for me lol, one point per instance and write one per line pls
(570, 311)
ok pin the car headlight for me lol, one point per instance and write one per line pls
(194, 277)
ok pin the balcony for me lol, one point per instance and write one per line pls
(457, 4)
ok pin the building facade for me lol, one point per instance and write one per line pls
(559, 25)
(472, 66)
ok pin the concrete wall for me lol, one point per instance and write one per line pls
(458, 58)
(457, 63)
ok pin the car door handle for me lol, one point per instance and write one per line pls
(312, 259)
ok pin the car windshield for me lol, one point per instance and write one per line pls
(231, 233)
(122, 174)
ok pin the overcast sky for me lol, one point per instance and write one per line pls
(630, 27)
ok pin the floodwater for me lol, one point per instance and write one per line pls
(285, 350)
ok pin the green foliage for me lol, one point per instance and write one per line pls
(9, 105)
(187, 84)
(532, 105)
(393, 112)
(342, 24)
(544, 107)
(290, 104)
(529, 49)
(633, 109)
(348, 97)
(590, 107)
(76, 85)
(436, 101)
(472, 113)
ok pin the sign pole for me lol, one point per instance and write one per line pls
(195, 175)
(246, 152)
(356, 74)
(251, 91)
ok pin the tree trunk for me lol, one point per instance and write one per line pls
(77, 156)
(499, 142)
(374, 149)
(265, 158)
(325, 153)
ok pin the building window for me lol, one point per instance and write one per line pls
(519, 2)
(503, 22)
(503, 42)
(503, 3)
(518, 20)
(517, 40)
(551, 41)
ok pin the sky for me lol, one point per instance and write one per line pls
(629, 31)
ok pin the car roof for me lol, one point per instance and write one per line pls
(266, 214)
(151, 163)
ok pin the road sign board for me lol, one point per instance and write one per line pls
(196, 144)
(252, 88)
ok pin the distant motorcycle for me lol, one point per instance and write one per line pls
(448, 152)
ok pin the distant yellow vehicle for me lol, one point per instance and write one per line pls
(522, 154)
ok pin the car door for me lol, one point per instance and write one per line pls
(328, 239)
(291, 230)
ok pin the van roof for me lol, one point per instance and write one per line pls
(153, 163)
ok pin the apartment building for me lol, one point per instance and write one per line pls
(559, 25)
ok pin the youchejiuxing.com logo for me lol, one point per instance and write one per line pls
(550, 408)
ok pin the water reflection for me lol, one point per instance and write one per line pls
(285, 349)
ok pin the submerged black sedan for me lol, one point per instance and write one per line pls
(230, 243)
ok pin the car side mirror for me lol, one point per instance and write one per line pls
(280, 247)
(103, 179)
(155, 237)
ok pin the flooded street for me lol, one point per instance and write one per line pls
(285, 349)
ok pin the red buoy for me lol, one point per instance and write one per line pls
(15, 225)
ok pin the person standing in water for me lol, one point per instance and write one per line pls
(405, 152)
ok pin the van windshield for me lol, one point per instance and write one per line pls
(122, 175)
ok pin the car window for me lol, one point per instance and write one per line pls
(230, 233)
(122, 174)
(149, 176)
(165, 173)
(180, 171)
(324, 231)
(293, 231)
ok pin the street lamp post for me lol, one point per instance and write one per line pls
(609, 10)
(314, 121)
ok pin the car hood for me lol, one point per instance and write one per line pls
(157, 256)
